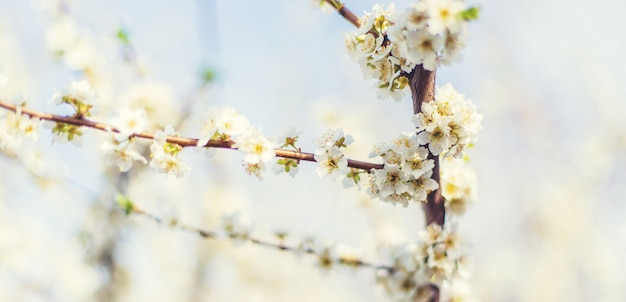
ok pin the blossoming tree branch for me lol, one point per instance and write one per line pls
(400, 51)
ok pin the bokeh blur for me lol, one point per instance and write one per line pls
(549, 77)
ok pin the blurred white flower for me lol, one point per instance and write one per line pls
(120, 153)
(223, 123)
(458, 183)
(130, 122)
(164, 154)
(257, 147)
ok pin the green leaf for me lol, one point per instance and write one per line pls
(208, 75)
(122, 36)
(470, 14)
(125, 203)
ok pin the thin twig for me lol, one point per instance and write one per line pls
(208, 234)
(344, 12)
(182, 141)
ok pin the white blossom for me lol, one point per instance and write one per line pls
(18, 125)
(221, 123)
(164, 154)
(79, 90)
(168, 164)
(331, 162)
(389, 45)
(334, 138)
(391, 180)
(257, 147)
(444, 15)
(288, 139)
(120, 153)
(449, 124)
(458, 184)
(130, 122)
(157, 99)
(407, 172)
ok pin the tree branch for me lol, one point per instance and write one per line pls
(422, 83)
(208, 234)
(344, 12)
(182, 141)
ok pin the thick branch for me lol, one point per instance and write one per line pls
(423, 90)
(182, 141)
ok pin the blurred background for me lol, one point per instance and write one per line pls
(549, 78)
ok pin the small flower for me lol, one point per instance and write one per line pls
(331, 162)
(164, 154)
(131, 122)
(222, 123)
(168, 164)
(449, 124)
(444, 15)
(289, 138)
(458, 185)
(257, 147)
(79, 95)
(18, 125)
(334, 138)
(423, 48)
(391, 180)
(120, 153)
(417, 163)
(422, 186)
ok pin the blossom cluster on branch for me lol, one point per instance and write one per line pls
(437, 259)
(449, 124)
(388, 44)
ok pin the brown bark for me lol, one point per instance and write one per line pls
(182, 141)
(348, 15)
(422, 83)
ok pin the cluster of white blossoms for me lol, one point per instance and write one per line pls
(15, 126)
(407, 171)
(388, 45)
(449, 124)
(378, 57)
(120, 152)
(82, 100)
(224, 123)
(73, 44)
(164, 155)
(329, 156)
(437, 259)
(288, 140)
(119, 148)
(458, 184)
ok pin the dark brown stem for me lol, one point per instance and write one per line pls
(423, 90)
(182, 141)
(344, 12)
(349, 15)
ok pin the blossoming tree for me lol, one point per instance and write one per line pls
(426, 165)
